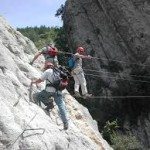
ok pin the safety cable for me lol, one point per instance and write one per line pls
(36, 129)
(115, 97)
(11, 144)
(121, 97)
(114, 73)
(117, 78)
(107, 60)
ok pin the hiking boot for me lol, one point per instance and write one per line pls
(65, 126)
(87, 95)
(77, 94)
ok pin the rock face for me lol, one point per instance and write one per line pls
(23, 124)
(117, 34)
(112, 29)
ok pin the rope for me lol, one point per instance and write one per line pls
(119, 97)
(114, 73)
(117, 78)
(106, 59)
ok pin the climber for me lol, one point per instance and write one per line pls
(78, 74)
(49, 75)
(50, 54)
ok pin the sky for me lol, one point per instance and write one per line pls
(31, 13)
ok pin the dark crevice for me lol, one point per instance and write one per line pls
(3, 68)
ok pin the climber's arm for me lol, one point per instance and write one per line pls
(82, 56)
(35, 57)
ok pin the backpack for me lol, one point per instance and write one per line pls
(71, 62)
(60, 79)
(51, 51)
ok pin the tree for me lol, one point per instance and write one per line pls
(60, 11)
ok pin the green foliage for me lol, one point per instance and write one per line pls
(60, 11)
(44, 35)
(40, 36)
(61, 44)
(109, 130)
(125, 142)
(117, 140)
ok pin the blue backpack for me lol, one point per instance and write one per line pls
(71, 62)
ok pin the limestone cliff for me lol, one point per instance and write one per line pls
(23, 124)
(117, 34)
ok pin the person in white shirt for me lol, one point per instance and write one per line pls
(49, 91)
(78, 74)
